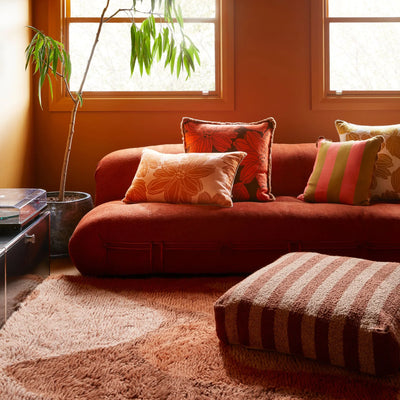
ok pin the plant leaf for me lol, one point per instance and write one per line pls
(40, 91)
(138, 42)
(186, 64)
(55, 61)
(179, 65)
(67, 65)
(196, 54)
(165, 38)
(30, 49)
(189, 58)
(50, 86)
(133, 47)
(178, 15)
(173, 56)
(168, 7)
(152, 25)
(159, 55)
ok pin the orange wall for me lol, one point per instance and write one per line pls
(272, 78)
(15, 113)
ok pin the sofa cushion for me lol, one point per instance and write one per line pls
(253, 181)
(198, 178)
(386, 178)
(151, 238)
(339, 310)
(343, 171)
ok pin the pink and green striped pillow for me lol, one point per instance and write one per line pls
(343, 172)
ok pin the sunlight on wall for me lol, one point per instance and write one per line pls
(15, 120)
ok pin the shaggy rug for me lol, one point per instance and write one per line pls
(18, 287)
(87, 338)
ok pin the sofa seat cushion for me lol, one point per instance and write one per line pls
(339, 310)
(146, 238)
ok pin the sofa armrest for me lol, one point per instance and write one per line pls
(115, 171)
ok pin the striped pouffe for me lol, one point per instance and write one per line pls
(340, 310)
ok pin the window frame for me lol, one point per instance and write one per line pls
(322, 97)
(220, 99)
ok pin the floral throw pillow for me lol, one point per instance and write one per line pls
(185, 178)
(253, 180)
(385, 184)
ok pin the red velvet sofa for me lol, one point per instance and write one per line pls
(157, 238)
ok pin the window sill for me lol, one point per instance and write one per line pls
(361, 102)
(195, 103)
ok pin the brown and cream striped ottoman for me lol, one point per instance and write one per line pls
(340, 310)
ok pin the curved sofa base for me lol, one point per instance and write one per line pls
(118, 239)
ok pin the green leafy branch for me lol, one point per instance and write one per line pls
(46, 55)
(148, 43)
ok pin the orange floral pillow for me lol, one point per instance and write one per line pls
(185, 178)
(253, 181)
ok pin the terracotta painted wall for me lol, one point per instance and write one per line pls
(272, 78)
(15, 111)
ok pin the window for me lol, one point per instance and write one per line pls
(355, 54)
(109, 85)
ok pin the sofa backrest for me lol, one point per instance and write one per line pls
(291, 166)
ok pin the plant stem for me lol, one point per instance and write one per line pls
(64, 170)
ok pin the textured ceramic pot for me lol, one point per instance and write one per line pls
(64, 216)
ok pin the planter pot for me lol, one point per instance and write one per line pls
(64, 216)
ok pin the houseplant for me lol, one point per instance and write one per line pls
(150, 42)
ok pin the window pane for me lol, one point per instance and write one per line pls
(93, 8)
(364, 8)
(196, 8)
(364, 56)
(110, 69)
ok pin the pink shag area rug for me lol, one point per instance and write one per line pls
(86, 338)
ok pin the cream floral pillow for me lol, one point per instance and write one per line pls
(386, 179)
(196, 178)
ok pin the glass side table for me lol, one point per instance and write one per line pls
(24, 263)
(3, 295)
